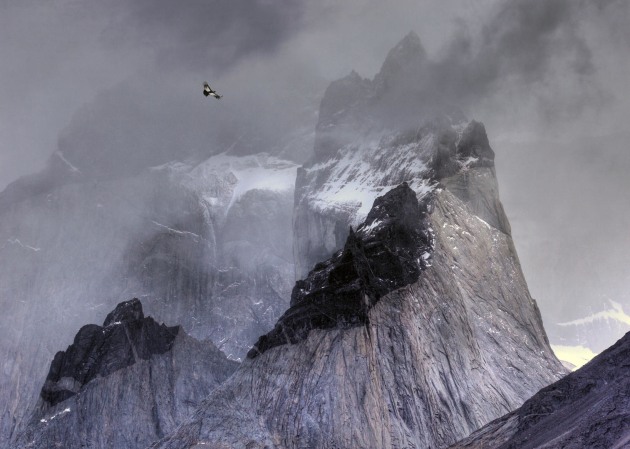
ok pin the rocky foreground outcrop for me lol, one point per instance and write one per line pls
(124, 384)
(589, 408)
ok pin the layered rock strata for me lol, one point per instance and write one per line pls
(388, 251)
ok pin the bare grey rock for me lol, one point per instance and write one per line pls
(438, 359)
(589, 408)
(202, 244)
(123, 385)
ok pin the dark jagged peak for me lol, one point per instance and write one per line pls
(341, 94)
(125, 338)
(125, 311)
(459, 146)
(340, 111)
(387, 251)
(474, 143)
(589, 407)
(354, 106)
(124, 385)
(408, 55)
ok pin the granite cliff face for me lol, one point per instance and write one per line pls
(202, 244)
(123, 384)
(388, 251)
(435, 358)
(365, 357)
(412, 327)
(589, 408)
(373, 135)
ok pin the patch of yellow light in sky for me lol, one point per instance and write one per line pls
(575, 355)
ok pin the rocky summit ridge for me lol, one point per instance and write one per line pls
(387, 252)
(125, 338)
(455, 343)
(123, 385)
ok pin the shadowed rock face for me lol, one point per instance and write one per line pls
(589, 408)
(387, 252)
(125, 338)
(123, 385)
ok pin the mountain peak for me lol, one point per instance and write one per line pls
(409, 52)
(125, 338)
(125, 311)
(388, 251)
(411, 42)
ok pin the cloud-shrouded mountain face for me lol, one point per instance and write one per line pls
(202, 244)
(455, 340)
(587, 408)
(365, 357)
(123, 384)
(411, 323)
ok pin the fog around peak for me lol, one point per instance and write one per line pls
(115, 86)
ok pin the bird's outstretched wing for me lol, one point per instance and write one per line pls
(207, 90)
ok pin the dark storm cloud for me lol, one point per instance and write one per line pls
(534, 48)
(200, 34)
(534, 57)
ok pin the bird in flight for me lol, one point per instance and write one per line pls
(207, 91)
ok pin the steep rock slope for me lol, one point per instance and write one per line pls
(389, 251)
(434, 359)
(123, 384)
(589, 408)
(203, 244)
(454, 342)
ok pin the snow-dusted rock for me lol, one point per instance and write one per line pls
(433, 361)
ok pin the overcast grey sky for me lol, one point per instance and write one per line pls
(518, 63)
(548, 78)
(58, 56)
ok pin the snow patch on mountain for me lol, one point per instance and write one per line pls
(362, 172)
(17, 242)
(56, 415)
(72, 168)
(240, 174)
